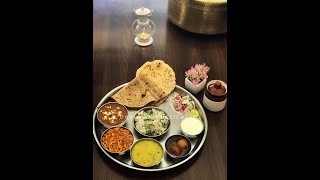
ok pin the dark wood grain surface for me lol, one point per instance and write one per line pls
(116, 59)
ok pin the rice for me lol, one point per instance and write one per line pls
(151, 122)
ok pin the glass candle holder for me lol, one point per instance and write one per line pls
(143, 28)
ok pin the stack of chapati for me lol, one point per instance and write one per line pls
(153, 83)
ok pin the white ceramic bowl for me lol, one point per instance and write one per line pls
(194, 89)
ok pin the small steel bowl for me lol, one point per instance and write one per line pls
(119, 153)
(146, 139)
(172, 140)
(116, 125)
(150, 107)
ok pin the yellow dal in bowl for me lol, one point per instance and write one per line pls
(146, 153)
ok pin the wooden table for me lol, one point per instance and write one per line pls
(116, 59)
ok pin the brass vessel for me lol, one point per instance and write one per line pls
(199, 16)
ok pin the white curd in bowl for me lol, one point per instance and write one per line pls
(191, 126)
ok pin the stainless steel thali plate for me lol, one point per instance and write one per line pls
(175, 120)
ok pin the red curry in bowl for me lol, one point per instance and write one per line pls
(112, 114)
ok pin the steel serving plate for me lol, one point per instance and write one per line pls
(175, 120)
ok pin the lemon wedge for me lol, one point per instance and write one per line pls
(194, 113)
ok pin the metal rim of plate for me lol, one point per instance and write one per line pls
(201, 111)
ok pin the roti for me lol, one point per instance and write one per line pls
(153, 87)
(160, 101)
(160, 73)
(135, 94)
(153, 83)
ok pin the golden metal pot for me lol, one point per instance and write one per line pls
(199, 16)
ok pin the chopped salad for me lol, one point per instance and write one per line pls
(182, 103)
